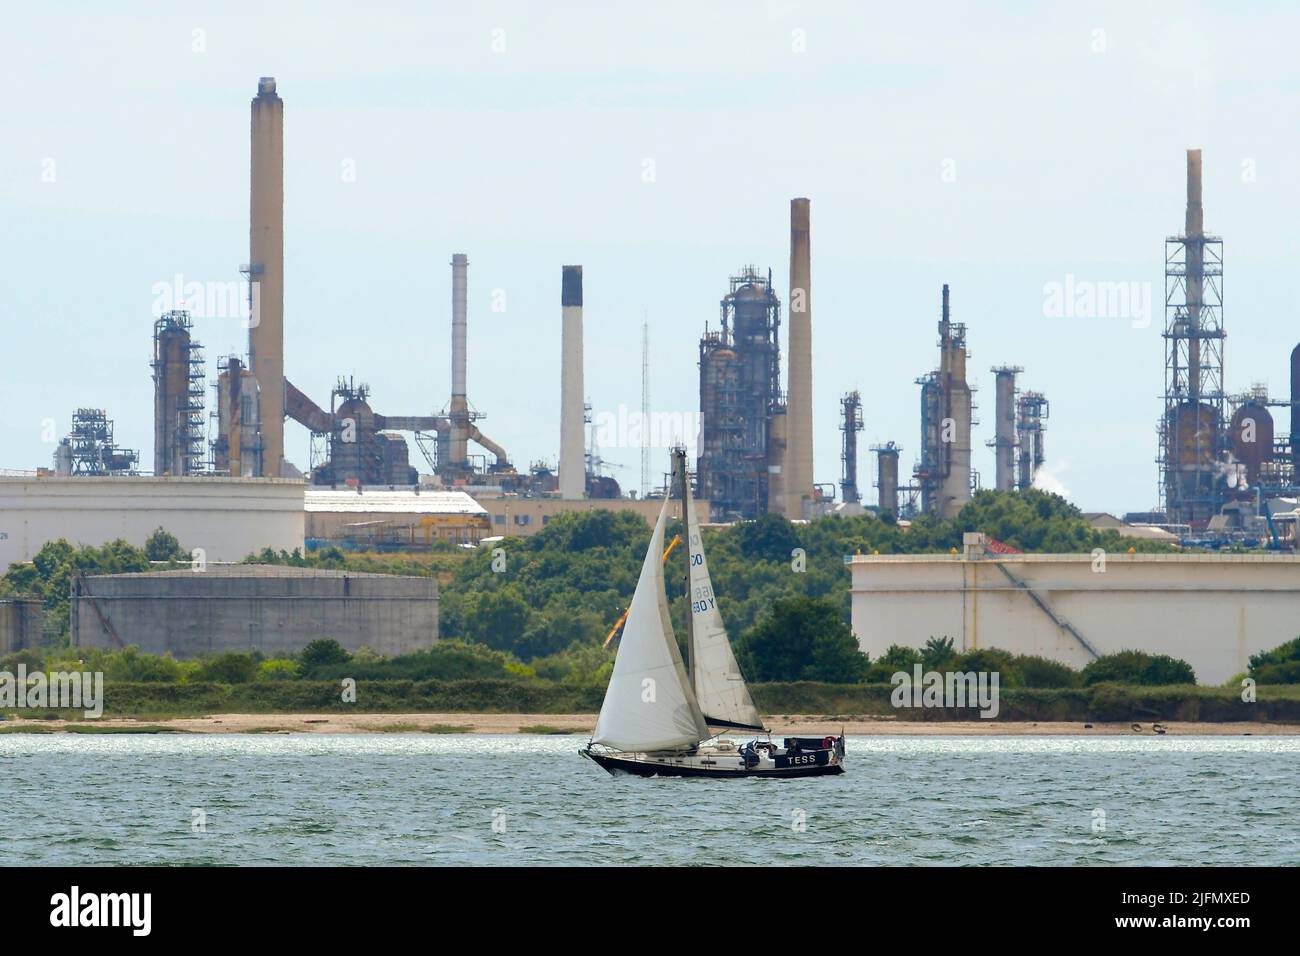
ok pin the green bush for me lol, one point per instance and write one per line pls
(990, 660)
(277, 669)
(321, 655)
(446, 660)
(802, 638)
(1281, 665)
(131, 664)
(30, 658)
(1286, 672)
(232, 667)
(1041, 672)
(1137, 667)
(937, 653)
(163, 546)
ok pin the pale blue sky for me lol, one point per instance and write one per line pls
(1067, 161)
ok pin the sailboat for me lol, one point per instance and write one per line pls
(657, 718)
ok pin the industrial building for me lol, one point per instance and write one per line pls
(1226, 475)
(756, 451)
(1018, 446)
(89, 449)
(269, 608)
(1212, 610)
(1104, 521)
(1216, 451)
(180, 427)
(742, 435)
(518, 516)
(356, 444)
(227, 518)
(382, 519)
(943, 475)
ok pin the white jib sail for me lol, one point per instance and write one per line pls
(720, 688)
(649, 704)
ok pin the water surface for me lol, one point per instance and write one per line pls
(521, 799)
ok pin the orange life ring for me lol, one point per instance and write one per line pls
(828, 743)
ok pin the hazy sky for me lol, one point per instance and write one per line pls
(996, 149)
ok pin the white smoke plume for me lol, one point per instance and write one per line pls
(1049, 478)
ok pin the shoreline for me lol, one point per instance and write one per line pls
(582, 724)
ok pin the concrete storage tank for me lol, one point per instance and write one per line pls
(251, 607)
(1252, 437)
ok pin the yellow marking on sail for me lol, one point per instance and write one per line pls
(617, 629)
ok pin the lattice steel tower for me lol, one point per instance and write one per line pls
(1191, 426)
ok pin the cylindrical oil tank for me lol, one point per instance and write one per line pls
(1252, 437)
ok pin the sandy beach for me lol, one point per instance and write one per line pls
(582, 724)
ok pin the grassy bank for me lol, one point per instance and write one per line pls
(1102, 702)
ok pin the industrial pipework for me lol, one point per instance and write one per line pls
(943, 473)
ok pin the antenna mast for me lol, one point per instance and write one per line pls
(645, 406)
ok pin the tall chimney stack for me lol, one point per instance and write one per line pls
(266, 270)
(458, 449)
(573, 463)
(1195, 221)
(1295, 409)
(1195, 267)
(798, 477)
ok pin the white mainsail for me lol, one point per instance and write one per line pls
(720, 688)
(649, 704)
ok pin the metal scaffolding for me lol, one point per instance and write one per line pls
(91, 449)
(1191, 428)
(180, 425)
(740, 396)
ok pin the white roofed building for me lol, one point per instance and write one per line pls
(368, 518)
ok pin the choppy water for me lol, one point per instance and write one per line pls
(419, 799)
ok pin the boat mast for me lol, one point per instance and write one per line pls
(679, 455)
